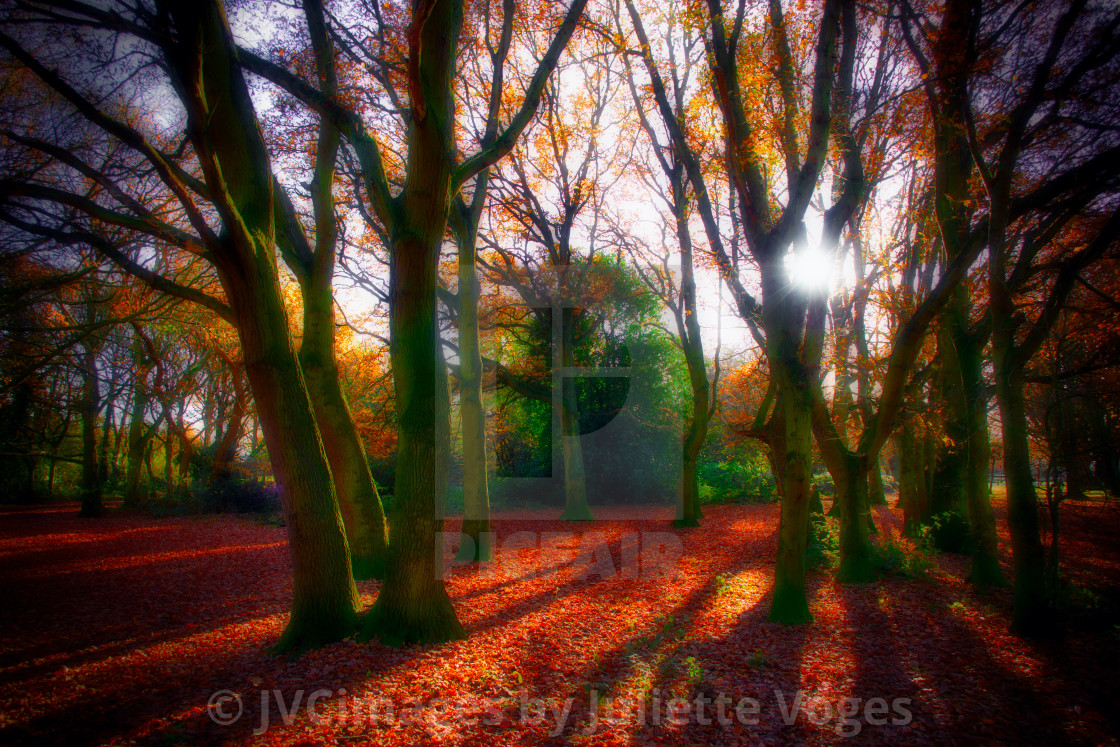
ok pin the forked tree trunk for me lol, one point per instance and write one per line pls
(236, 166)
(324, 597)
(362, 512)
(413, 605)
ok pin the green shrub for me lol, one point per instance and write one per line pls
(824, 483)
(823, 548)
(176, 502)
(901, 560)
(951, 533)
(735, 482)
(237, 495)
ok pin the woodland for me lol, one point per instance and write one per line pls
(597, 371)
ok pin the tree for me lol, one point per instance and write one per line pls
(1033, 169)
(680, 298)
(769, 233)
(549, 184)
(196, 47)
(413, 605)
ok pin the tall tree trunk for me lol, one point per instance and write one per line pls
(985, 570)
(790, 604)
(324, 595)
(575, 481)
(952, 455)
(362, 512)
(413, 605)
(236, 165)
(877, 492)
(856, 564)
(688, 329)
(226, 450)
(695, 433)
(133, 495)
(908, 468)
(1032, 601)
(475, 545)
(851, 503)
(90, 479)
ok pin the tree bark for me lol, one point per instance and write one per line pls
(688, 330)
(236, 165)
(226, 450)
(575, 482)
(1032, 601)
(362, 512)
(138, 437)
(413, 606)
(908, 469)
(790, 604)
(475, 545)
(90, 405)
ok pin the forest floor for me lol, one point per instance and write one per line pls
(131, 629)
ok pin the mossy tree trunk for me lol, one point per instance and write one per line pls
(877, 492)
(413, 606)
(790, 604)
(236, 165)
(856, 564)
(985, 570)
(313, 264)
(952, 454)
(908, 455)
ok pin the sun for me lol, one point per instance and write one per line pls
(809, 269)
